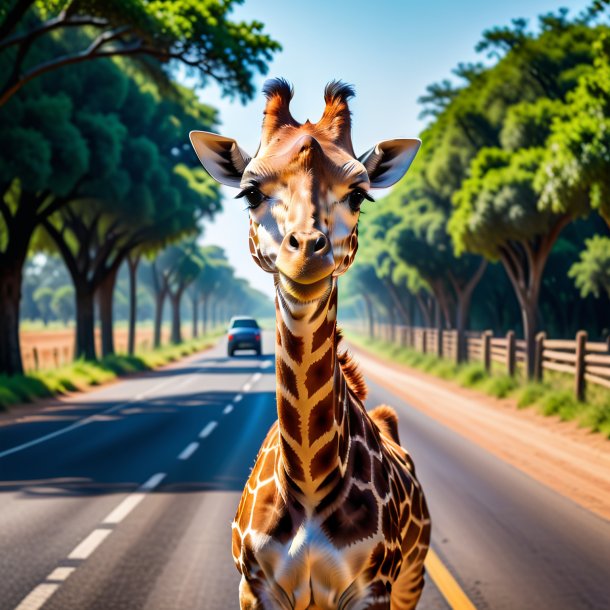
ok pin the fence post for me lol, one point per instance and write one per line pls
(439, 342)
(510, 353)
(579, 373)
(36, 361)
(486, 350)
(423, 341)
(539, 357)
(456, 339)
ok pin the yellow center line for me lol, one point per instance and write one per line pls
(446, 584)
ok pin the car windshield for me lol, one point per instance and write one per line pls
(244, 324)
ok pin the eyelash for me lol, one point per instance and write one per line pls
(253, 196)
(355, 207)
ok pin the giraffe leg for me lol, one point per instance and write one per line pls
(247, 599)
(408, 588)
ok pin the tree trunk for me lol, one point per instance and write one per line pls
(175, 299)
(85, 322)
(424, 308)
(105, 294)
(530, 329)
(10, 297)
(463, 297)
(132, 266)
(159, 302)
(204, 313)
(194, 303)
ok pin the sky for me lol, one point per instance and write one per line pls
(390, 50)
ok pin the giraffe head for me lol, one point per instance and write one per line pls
(304, 187)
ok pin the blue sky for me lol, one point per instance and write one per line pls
(389, 50)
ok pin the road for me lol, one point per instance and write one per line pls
(122, 499)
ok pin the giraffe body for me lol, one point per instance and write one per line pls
(332, 515)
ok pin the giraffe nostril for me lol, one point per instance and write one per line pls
(320, 243)
(293, 241)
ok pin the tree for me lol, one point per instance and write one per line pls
(43, 297)
(574, 171)
(41, 120)
(592, 273)
(63, 304)
(195, 33)
(135, 194)
(497, 215)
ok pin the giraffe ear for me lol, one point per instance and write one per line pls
(222, 157)
(388, 161)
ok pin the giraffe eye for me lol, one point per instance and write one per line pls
(253, 196)
(356, 197)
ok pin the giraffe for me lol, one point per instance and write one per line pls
(332, 515)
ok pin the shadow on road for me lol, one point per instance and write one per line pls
(116, 452)
(235, 365)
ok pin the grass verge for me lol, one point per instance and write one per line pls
(83, 374)
(553, 397)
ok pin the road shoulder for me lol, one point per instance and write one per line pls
(568, 459)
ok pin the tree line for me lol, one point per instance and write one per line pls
(503, 222)
(95, 163)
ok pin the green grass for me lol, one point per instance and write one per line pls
(553, 397)
(82, 374)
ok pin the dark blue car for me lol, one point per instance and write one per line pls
(244, 333)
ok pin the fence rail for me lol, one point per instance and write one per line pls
(587, 362)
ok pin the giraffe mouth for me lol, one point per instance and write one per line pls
(310, 291)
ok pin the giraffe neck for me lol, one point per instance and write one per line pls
(311, 393)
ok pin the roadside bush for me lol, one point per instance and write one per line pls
(471, 375)
(530, 394)
(501, 386)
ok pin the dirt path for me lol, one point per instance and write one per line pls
(570, 460)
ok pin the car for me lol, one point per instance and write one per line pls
(244, 333)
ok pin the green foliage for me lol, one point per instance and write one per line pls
(560, 402)
(500, 386)
(472, 375)
(530, 394)
(198, 34)
(63, 303)
(43, 297)
(577, 162)
(592, 273)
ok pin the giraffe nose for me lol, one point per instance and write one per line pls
(309, 244)
(305, 256)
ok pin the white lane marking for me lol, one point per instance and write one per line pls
(80, 423)
(256, 377)
(89, 544)
(237, 398)
(247, 387)
(188, 451)
(209, 428)
(124, 508)
(60, 574)
(37, 597)
(153, 481)
(227, 409)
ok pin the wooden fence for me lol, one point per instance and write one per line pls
(52, 348)
(586, 361)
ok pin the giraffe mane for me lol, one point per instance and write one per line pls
(350, 369)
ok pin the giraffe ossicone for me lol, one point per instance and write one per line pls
(332, 515)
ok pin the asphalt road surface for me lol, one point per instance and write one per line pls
(123, 498)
